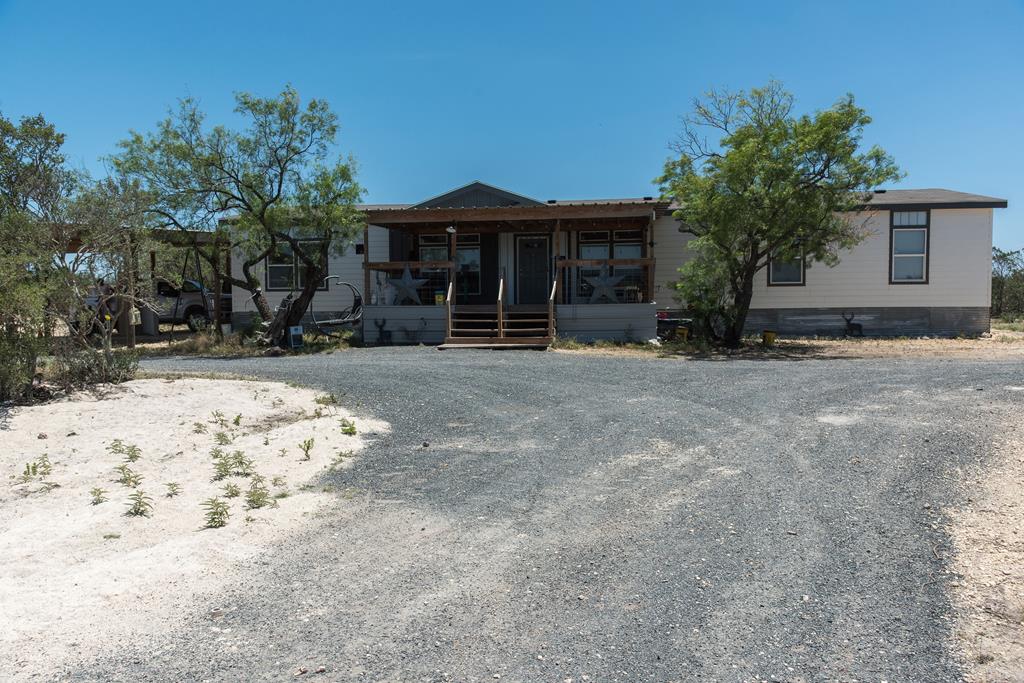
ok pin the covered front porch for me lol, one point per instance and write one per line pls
(480, 266)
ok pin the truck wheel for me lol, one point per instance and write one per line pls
(196, 319)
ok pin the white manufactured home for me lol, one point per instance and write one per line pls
(483, 266)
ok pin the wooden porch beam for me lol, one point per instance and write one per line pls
(400, 265)
(598, 262)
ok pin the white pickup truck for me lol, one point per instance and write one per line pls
(185, 305)
(174, 305)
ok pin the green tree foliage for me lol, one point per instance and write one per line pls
(68, 249)
(773, 184)
(1007, 284)
(33, 185)
(271, 186)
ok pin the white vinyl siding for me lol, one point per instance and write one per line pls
(959, 269)
(349, 267)
(670, 253)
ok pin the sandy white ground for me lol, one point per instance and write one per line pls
(988, 537)
(76, 578)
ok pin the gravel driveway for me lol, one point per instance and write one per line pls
(611, 519)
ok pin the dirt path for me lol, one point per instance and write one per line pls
(988, 533)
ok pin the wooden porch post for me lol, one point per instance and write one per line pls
(558, 250)
(366, 264)
(451, 257)
(649, 252)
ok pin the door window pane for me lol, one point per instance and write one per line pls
(467, 263)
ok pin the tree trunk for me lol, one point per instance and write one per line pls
(741, 307)
(262, 307)
(301, 303)
(218, 313)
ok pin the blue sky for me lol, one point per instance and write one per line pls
(550, 99)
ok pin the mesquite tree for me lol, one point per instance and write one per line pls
(774, 185)
(269, 187)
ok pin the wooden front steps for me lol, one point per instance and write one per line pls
(481, 327)
(495, 343)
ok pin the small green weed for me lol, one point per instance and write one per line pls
(219, 419)
(306, 446)
(258, 495)
(232, 490)
(132, 452)
(222, 438)
(339, 459)
(199, 428)
(43, 465)
(278, 481)
(139, 505)
(98, 495)
(237, 420)
(128, 477)
(241, 466)
(173, 489)
(347, 426)
(111, 537)
(217, 513)
(31, 470)
(326, 400)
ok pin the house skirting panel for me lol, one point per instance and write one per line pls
(879, 321)
(406, 324)
(613, 322)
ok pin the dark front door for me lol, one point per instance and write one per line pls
(532, 269)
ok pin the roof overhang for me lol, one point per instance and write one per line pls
(506, 214)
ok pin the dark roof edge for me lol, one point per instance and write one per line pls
(918, 206)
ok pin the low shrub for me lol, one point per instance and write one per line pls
(88, 367)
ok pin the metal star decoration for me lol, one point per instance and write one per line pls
(604, 286)
(406, 287)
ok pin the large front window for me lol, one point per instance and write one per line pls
(591, 250)
(909, 257)
(433, 248)
(616, 244)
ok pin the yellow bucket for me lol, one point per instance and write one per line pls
(768, 338)
(682, 333)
